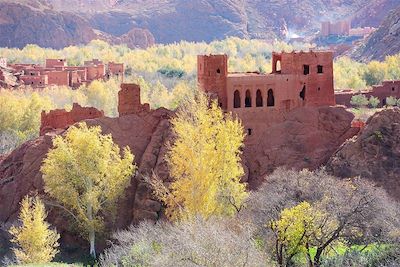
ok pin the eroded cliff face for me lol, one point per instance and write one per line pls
(374, 154)
(306, 139)
(383, 42)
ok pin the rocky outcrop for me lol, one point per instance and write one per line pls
(306, 138)
(373, 154)
(383, 42)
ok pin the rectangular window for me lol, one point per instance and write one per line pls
(320, 69)
(306, 69)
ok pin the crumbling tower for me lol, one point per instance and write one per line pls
(212, 72)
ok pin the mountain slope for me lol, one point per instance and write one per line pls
(76, 21)
(385, 41)
(38, 23)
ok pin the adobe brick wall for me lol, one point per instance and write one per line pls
(212, 72)
(129, 100)
(60, 78)
(34, 81)
(386, 89)
(62, 119)
(52, 63)
(116, 69)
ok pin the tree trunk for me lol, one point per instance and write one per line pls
(92, 237)
(92, 242)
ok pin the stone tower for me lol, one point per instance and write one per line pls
(212, 72)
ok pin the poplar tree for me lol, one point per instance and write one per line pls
(204, 162)
(36, 242)
(86, 173)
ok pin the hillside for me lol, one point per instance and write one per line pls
(171, 21)
(385, 41)
(38, 23)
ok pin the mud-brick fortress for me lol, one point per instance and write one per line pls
(298, 79)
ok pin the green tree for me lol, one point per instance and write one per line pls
(375, 73)
(85, 173)
(204, 162)
(36, 242)
(391, 101)
(374, 101)
(359, 101)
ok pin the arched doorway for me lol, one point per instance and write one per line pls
(247, 101)
(270, 98)
(236, 99)
(259, 99)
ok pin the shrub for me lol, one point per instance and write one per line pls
(190, 243)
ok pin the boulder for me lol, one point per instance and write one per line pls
(374, 153)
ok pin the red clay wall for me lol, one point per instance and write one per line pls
(62, 119)
(212, 71)
(34, 81)
(116, 69)
(60, 78)
(319, 89)
(129, 100)
(386, 89)
(52, 63)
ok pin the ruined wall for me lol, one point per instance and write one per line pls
(34, 81)
(62, 119)
(212, 72)
(386, 89)
(129, 100)
(95, 72)
(116, 69)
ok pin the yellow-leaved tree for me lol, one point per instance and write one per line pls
(36, 242)
(204, 162)
(86, 173)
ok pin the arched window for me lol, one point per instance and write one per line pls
(259, 99)
(270, 99)
(247, 101)
(236, 99)
(278, 66)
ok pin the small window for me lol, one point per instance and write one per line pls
(320, 69)
(218, 71)
(247, 100)
(319, 88)
(249, 131)
(306, 69)
(392, 88)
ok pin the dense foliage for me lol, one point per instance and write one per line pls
(166, 74)
(204, 162)
(35, 241)
(295, 219)
(86, 173)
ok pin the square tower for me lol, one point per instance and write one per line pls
(212, 72)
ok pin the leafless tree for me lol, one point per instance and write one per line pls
(361, 212)
(215, 242)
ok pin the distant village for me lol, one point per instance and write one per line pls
(57, 72)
